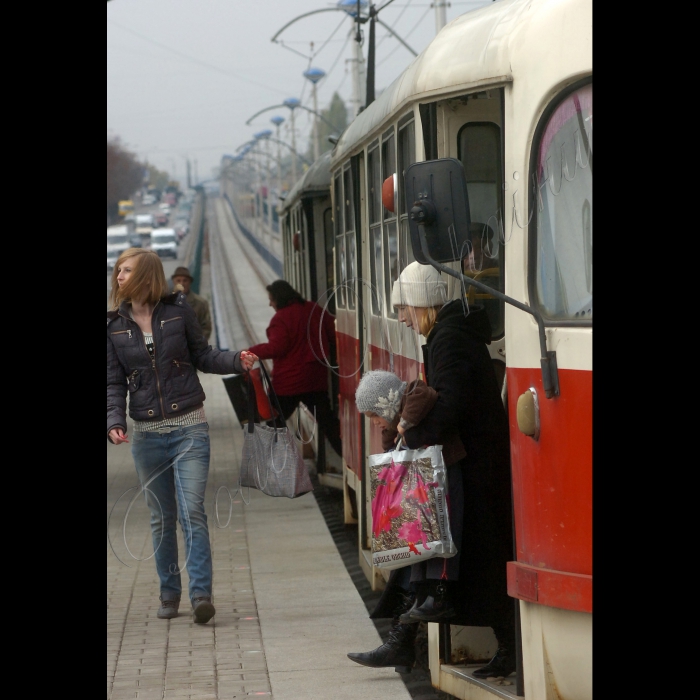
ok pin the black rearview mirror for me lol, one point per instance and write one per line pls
(436, 198)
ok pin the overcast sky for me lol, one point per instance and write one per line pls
(183, 76)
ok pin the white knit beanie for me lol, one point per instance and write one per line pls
(419, 285)
(380, 392)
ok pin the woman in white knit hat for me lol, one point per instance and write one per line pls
(470, 588)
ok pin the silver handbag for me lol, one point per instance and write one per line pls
(271, 461)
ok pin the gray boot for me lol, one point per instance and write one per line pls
(202, 609)
(169, 605)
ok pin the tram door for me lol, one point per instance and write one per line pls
(348, 334)
(551, 438)
(470, 128)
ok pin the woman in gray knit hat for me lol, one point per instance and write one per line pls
(470, 588)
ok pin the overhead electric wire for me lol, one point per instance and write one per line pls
(289, 48)
(325, 43)
(337, 58)
(398, 46)
(393, 26)
(195, 60)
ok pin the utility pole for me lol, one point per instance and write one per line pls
(189, 175)
(277, 121)
(358, 72)
(359, 86)
(196, 176)
(294, 141)
(440, 14)
(314, 75)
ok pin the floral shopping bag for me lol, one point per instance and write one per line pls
(409, 507)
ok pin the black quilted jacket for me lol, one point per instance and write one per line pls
(167, 385)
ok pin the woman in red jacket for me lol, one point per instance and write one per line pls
(300, 336)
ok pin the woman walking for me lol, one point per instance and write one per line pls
(469, 588)
(299, 338)
(154, 347)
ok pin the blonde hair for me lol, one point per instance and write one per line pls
(146, 284)
(427, 319)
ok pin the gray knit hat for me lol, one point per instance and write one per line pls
(380, 392)
(419, 285)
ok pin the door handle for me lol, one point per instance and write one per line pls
(528, 413)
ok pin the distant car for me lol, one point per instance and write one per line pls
(164, 242)
(148, 200)
(161, 219)
(126, 206)
(164, 207)
(135, 240)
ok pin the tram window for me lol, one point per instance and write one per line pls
(407, 156)
(376, 265)
(339, 243)
(303, 256)
(388, 165)
(340, 270)
(405, 247)
(375, 187)
(348, 199)
(391, 260)
(352, 276)
(349, 228)
(338, 214)
(328, 237)
(480, 153)
(376, 270)
(564, 210)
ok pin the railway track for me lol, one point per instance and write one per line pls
(329, 500)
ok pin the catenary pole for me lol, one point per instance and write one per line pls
(440, 14)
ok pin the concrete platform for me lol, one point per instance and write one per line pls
(287, 610)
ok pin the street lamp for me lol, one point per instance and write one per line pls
(353, 9)
(314, 75)
(278, 121)
(292, 103)
(264, 135)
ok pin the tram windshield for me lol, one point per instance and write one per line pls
(564, 274)
(480, 153)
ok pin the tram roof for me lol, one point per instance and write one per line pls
(316, 179)
(476, 48)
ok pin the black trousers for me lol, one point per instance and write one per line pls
(325, 418)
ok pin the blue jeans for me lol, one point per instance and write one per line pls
(173, 467)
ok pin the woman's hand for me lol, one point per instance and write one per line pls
(117, 436)
(248, 359)
(401, 430)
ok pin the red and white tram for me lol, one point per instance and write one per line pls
(507, 90)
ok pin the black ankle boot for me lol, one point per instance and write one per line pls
(405, 618)
(397, 651)
(435, 608)
(502, 664)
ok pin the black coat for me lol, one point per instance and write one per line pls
(168, 385)
(459, 368)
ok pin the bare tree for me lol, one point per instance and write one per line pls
(124, 176)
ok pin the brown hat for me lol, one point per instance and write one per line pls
(182, 272)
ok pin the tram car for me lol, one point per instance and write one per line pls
(507, 91)
(306, 225)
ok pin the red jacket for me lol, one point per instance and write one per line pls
(293, 345)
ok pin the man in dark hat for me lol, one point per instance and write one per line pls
(183, 280)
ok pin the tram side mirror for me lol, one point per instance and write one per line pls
(436, 197)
